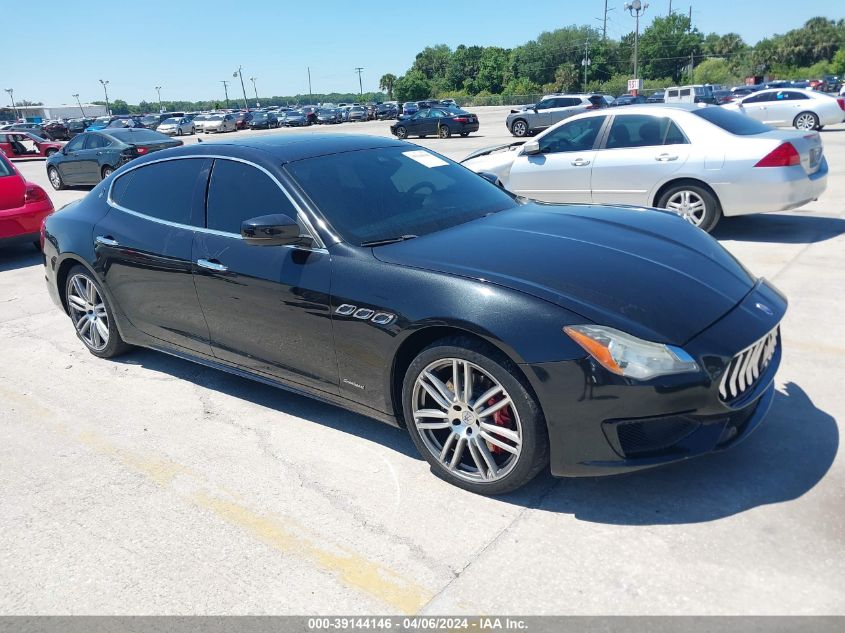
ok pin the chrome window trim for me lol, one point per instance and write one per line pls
(300, 213)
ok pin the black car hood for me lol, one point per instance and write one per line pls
(643, 271)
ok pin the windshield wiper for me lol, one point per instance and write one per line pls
(388, 240)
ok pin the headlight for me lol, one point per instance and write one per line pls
(628, 355)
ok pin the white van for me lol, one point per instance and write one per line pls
(689, 94)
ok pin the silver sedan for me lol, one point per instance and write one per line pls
(176, 126)
(700, 161)
(791, 107)
(219, 123)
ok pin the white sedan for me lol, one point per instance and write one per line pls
(700, 161)
(791, 107)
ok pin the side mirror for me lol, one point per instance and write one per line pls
(535, 109)
(490, 176)
(64, 150)
(531, 147)
(273, 230)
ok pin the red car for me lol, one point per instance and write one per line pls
(23, 206)
(27, 145)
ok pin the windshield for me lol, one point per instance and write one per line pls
(138, 135)
(378, 194)
(259, 115)
(170, 121)
(216, 117)
(732, 122)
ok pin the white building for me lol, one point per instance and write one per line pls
(44, 113)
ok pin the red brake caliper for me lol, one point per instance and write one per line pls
(502, 417)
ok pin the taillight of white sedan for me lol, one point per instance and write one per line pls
(699, 161)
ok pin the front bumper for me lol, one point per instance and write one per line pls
(601, 424)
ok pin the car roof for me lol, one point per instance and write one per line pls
(292, 147)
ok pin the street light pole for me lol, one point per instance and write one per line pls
(360, 84)
(239, 73)
(252, 79)
(586, 62)
(226, 91)
(160, 107)
(11, 92)
(106, 91)
(80, 104)
(636, 9)
(310, 92)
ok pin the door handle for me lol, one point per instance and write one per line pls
(580, 162)
(665, 158)
(106, 240)
(210, 264)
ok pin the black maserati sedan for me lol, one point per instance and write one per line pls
(507, 336)
(92, 156)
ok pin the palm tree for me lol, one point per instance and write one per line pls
(386, 83)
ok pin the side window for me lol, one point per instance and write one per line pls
(165, 190)
(672, 134)
(238, 192)
(544, 105)
(636, 130)
(96, 141)
(795, 96)
(575, 136)
(673, 94)
(76, 144)
(437, 114)
(685, 92)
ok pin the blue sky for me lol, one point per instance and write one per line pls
(188, 46)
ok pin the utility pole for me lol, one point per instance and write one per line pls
(586, 62)
(670, 7)
(604, 24)
(360, 84)
(80, 104)
(252, 79)
(226, 91)
(239, 73)
(11, 92)
(310, 93)
(160, 107)
(106, 91)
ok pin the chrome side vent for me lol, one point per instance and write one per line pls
(745, 368)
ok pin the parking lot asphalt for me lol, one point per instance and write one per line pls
(150, 485)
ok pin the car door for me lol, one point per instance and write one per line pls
(68, 165)
(793, 104)
(560, 172)
(563, 108)
(640, 151)
(778, 110)
(144, 248)
(756, 106)
(267, 307)
(542, 115)
(89, 158)
(416, 124)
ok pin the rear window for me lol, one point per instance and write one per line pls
(137, 135)
(732, 122)
(5, 167)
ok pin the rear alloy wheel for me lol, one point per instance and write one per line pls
(91, 315)
(179, 131)
(401, 132)
(695, 204)
(107, 171)
(472, 418)
(519, 128)
(56, 179)
(806, 121)
(444, 131)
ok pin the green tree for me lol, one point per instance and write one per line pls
(386, 83)
(666, 46)
(119, 106)
(413, 87)
(492, 70)
(521, 86)
(713, 71)
(567, 79)
(837, 65)
(433, 61)
(463, 67)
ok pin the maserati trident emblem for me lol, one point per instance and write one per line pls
(466, 417)
(764, 308)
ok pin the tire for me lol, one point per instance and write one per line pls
(107, 171)
(519, 128)
(456, 429)
(50, 152)
(444, 131)
(806, 121)
(55, 178)
(92, 320)
(401, 132)
(685, 199)
(179, 131)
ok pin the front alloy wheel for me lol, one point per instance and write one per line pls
(445, 132)
(519, 128)
(91, 316)
(472, 419)
(401, 132)
(55, 178)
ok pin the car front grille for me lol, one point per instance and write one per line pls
(640, 438)
(746, 367)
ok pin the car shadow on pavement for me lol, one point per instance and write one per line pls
(782, 460)
(779, 229)
(19, 256)
(276, 399)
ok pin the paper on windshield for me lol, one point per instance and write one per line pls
(425, 158)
